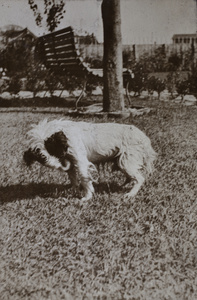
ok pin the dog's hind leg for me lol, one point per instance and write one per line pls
(127, 180)
(132, 171)
(139, 180)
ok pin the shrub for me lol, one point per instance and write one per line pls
(51, 81)
(95, 63)
(35, 78)
(192, 78)
(160, 86)
(151, 85)
(174, 62)
(155, 84)
(182, 88)
(69, 82)
(138, 83)
(128, 57)
(4, 84)
(171, 83)
(14, 85)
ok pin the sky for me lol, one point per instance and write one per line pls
(143, 21)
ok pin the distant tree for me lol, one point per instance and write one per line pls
(156, 62)
(128, 59)
(17, 47)
(15, 58)
(138, 83)
(54, 11)
(174, 62)
(188, 59)
(192, 79)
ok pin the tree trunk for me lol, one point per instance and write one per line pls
(113, 99)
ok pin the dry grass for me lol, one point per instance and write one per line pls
(52, 247)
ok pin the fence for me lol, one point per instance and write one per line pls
(96, 50)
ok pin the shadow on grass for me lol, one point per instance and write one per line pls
(69, 102)
(111, 187)
(12, 193)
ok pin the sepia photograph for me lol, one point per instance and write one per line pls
(98, 149)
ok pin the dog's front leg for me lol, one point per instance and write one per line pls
(77, 179)
(53, 162)
(88, 188)
(72, 174)
(85, 178)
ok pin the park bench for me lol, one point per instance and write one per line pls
(59, 52)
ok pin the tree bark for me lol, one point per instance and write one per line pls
(113, 99)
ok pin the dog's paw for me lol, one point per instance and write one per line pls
(129, 197)
(86, 198)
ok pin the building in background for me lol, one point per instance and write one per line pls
(184, 38)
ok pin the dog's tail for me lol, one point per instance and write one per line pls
(147, 152)
(137, 151)
(150, 158)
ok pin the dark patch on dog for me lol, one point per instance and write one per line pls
(57, 145)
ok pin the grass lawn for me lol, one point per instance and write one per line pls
(52, 247)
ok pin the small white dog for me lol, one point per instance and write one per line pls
(76, 147)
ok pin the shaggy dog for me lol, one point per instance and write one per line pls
(76, 147)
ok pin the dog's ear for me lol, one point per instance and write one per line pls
(32, 155)
(29, 157)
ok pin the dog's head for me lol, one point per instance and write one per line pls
(48, 149)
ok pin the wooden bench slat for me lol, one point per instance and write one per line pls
(66, 55)
(64, 60)
(61, 49)
(63, 64)
(58, 32)
(73, 69)
(52, 40)
(58, 44)
(64, 51)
